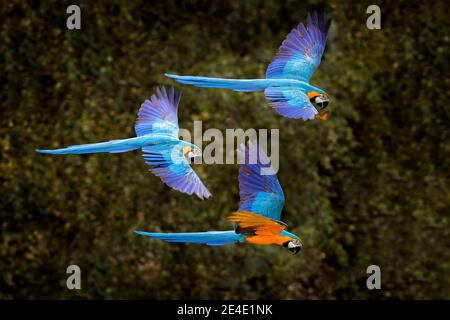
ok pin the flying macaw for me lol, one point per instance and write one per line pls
(157, 135)
(257, 220)
(286, 85)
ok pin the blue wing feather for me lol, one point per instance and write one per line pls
(301, 52)
(170, 165)
(211, 238)
(159, 114)
(290, 102)
(112, 146)
(259, 188)
(243, 85)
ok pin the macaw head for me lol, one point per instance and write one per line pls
(293, 242)
(293, 245)
(319, 100)
(191, 152)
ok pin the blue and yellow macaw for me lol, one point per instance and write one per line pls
(157, 135)
(257, 220)
(286, 85)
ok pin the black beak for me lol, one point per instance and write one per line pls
(294, 246)
(322, 105)
(321, 101)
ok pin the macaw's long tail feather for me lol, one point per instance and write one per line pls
(246, 85)
(211, 238)
(113, 146)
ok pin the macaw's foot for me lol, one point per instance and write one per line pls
(323, 116)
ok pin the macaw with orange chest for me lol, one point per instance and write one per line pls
(257, 220)
(286, 85)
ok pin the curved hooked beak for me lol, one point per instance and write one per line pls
(322, 101)
(294, 246)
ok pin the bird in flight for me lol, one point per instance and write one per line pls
(157, 135)
(257, 220)
(286, 85)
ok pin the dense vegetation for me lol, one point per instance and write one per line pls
(369, 186)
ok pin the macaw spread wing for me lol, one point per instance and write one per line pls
(259, 188)
(301, 51)
(171, 166)
(159, 114)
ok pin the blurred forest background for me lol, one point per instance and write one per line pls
(369, 186)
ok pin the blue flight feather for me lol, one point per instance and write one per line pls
(212, 238)
(174, 170)
(159, 114)
(290, 103)
(246, 85)
(301, 52)
(259, 188)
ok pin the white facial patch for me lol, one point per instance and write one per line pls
(190, 155)
(294, 244)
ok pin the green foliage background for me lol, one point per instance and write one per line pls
(369, 186)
